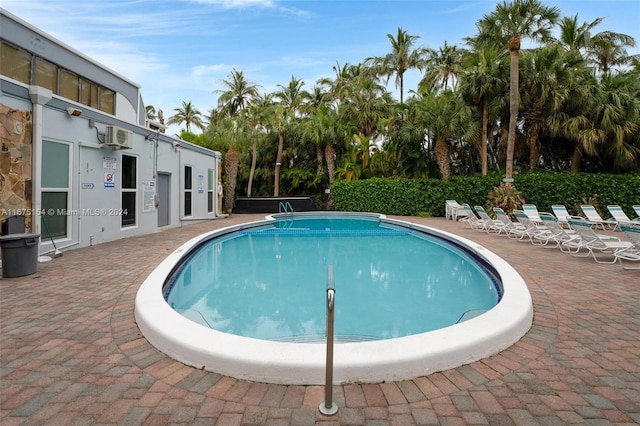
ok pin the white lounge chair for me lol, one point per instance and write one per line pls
(618, 215)
(594, 218)
(636, 208)
(557, 233)
(592, 242)
(454, 210)
(491, 225)
(471, 218)
(510, 228)
(632, 253)
(561, 214)
(532, 212)
(531, 229)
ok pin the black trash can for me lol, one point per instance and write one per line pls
(19, 254)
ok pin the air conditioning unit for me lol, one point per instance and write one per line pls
(116, 137)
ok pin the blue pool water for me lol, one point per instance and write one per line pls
(269, 282)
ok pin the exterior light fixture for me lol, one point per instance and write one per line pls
(74, 111)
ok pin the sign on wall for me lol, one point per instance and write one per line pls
(148, 195)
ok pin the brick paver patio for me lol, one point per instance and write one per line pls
(71, 353)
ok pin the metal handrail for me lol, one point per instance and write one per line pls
(328, 407)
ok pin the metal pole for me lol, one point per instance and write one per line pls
(328, 407)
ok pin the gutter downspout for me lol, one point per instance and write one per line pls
(39, 97)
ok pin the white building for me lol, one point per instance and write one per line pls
(78, 158)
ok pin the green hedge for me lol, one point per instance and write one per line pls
(407, 197)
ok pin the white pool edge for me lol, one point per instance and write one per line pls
(362, 362)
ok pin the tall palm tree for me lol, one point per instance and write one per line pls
(257, 115)
(546, 71)
(291, 97)
(188, 114)
(237, 94)
(505, 27)
(402, 58)
(480, 82)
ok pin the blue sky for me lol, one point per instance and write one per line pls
(180, 50)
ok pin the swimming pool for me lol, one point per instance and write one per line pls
(269, 282)
(397, 357)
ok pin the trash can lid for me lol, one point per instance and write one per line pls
(22, 236)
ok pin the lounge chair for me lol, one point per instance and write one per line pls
(471, 218)
(618, 215)
(532, 212)
(531, 229)
(510, 228)
(632, 253)
(592, 242)
(594, 218)
(454, 210)
(636, 209)
(561, 214)
(557, 234)
(491, 225)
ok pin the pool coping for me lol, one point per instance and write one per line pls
(354, 362)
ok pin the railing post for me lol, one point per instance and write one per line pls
(328, 407)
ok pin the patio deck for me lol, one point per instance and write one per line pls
(71, 353)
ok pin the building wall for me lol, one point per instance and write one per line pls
(34, 123)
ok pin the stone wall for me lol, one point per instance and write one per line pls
(15, 163)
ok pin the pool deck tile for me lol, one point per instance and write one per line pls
(71, 353)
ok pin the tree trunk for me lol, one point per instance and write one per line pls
(276, 182)
(231, 162)
(576, 159)
(483, 136)
(514, 83)
(534, 148)
(254, 159)
(330, 156)
(319, 159)
(442, 156)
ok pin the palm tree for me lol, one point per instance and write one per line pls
(187, 114)
(506, 27)
(237, 94)
(574, 37)
(403, 57)
(480, 82)
(442, 66)
(256, 114)
(151, 112)
(446, 118)
(292, 97)
(546, 71)
(608, 50)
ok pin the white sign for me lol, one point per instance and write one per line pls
(200, 184)
(148, 195)
(109, 163)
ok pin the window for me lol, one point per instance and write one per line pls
(46, 75)
(69, 85)
(129, 190)
(107, 101)
(210, 191)
(188, 186)
(89, 94)
(55, 188)
(15, 63)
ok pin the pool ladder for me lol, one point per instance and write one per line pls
(285, 207)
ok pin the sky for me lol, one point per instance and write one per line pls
(181, 50)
